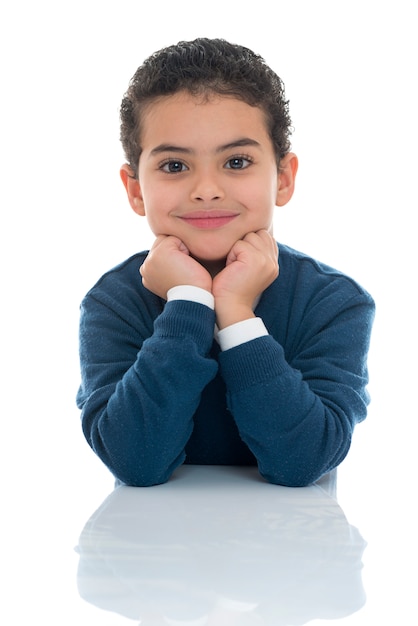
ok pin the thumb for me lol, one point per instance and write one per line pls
(182, 247)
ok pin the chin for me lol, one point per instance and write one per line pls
(211, 247)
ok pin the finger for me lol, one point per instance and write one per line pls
(174, 243)
(270, 242)
(262, 240)
(160, 239)
(260, 237)
(170, 243)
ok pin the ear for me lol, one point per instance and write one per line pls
(133, 189)
(286, 178)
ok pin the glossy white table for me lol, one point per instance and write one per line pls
(221, 546)
(214, 546)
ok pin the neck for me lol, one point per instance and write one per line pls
(213, 267)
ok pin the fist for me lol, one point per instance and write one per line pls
(251, 266)
(169, 264)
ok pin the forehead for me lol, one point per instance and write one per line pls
(184, 116)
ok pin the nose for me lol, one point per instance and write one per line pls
(207, 186)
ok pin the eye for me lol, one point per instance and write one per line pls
(172, 166)
(238, 163)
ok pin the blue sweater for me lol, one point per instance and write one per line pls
(156, 391)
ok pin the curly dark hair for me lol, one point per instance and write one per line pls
(204, 67)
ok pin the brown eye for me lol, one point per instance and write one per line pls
(173, 167)
(237, 163)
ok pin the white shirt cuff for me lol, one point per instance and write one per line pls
(241, 332)
(191, 293)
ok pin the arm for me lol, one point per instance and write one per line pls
(296, 411)
(139, 394)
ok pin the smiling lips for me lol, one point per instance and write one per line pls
(208, 219)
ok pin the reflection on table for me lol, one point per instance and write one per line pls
(218, 545)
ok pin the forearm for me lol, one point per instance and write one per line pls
(140, 422)
(296, 430)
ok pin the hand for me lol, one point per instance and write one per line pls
(168, 264)
(251, 266)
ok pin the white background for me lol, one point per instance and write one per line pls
(350, 73)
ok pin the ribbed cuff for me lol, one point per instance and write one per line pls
(183, 319)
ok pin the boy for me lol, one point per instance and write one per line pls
(202, 351)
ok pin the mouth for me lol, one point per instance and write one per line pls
(207, 220)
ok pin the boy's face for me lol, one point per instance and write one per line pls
(207, 173)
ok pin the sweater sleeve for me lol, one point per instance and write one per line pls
(296, 408)
(138, 395)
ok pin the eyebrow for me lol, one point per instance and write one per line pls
(244, 141)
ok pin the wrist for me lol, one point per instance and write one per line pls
(232, 313)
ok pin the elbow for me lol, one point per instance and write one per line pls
(296, 480)
(141, 481)
(302, 474)
(300, 464)
(144, 475)
(141, 473)
(130, 462)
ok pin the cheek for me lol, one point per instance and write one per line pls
(156, 209)
(261, 192)
(262, 200)
(264, 209)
